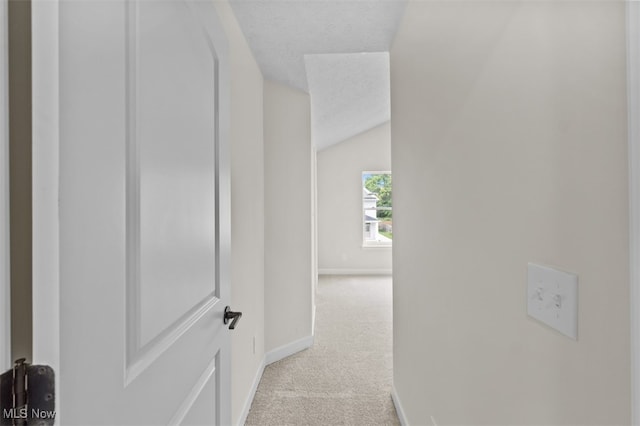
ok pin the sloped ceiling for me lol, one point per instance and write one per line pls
(330, 34)
(349, 94)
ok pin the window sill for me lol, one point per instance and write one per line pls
(377, 246)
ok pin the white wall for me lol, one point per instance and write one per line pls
(314, 235)
(340, 170)
(509, 146)
(288, 230)
(247, 213)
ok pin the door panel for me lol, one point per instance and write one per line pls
(200, 406)
(143, 214)
(173, 127)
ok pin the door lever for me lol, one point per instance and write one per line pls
(233, 316)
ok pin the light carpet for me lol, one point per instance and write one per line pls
(345, 378)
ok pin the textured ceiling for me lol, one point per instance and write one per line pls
(282, 32)
(349, 94)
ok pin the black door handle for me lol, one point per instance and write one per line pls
(233, 316)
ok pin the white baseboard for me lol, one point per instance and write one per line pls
(251, 396)
(288, 350)
(399, 409)
(344, 271)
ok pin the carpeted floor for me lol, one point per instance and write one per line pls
(345, 378)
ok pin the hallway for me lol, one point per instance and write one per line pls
(345, 377)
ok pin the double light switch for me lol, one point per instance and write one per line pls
(552, 298)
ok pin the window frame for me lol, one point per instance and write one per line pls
(365, 242)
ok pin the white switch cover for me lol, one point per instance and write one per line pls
(552, 298)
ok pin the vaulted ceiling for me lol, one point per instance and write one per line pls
(317, 46)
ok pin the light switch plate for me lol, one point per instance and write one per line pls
(552, 298)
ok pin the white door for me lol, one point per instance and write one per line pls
(131, 275)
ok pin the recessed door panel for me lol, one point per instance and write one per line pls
(202, 404)
(175, 133)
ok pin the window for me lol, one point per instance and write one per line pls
(377, 209)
